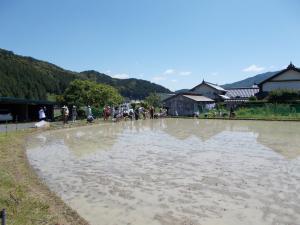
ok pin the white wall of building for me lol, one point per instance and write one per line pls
(288, 80)
(270, 86)
(205, 90)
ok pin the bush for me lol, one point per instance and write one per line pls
(97, 112)
(145, 105)
(253, 98)
(133, 105)
(153, 100)
(283, 96)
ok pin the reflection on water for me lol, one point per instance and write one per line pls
(175, 171)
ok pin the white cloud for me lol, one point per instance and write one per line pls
(121, 76)
(253, 68)
(174, 81)
(158, 78)
(214, 74)
(169, 71)
(185, 73)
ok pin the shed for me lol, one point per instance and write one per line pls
(186, 104)
(26, 110)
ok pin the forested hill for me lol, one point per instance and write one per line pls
(250, 81)
(26, 77)
(132, 88)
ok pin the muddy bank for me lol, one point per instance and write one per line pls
(175, 171)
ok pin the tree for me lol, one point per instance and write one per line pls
(85, 92)
(153, 100)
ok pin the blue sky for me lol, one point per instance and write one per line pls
(175, 43)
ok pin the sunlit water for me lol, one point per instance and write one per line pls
(175, 171)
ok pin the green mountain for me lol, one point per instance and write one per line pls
(26, 77)
(249, 82)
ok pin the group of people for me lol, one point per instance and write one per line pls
(119, 113)
(115, 113)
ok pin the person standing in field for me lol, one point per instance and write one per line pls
(151, 112)
(42, 115)
(90, 117)
(74, 113)
(106, 112)
(66, 114)
(137, 113)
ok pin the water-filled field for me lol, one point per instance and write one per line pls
(175, 171)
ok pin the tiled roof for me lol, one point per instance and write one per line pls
(214, 86)
(242, 92)
(199, 98)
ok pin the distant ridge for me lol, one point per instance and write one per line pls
(181, 91)
(249, 82)
(26, 77)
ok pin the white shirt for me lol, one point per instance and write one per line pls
(42, 114)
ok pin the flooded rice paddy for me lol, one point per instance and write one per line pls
(175, 171)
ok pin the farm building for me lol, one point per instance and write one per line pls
(204, 96)
(187, 104)
(210, 90)
(237, 96)
(288, 78)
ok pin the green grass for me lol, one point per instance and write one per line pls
(269, 111)
(265, 112)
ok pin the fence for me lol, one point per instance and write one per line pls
(3, 217)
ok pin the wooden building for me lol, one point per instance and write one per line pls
(288, 78)
(26, 110)
(204, 96)
(186, 104)
(210, 90)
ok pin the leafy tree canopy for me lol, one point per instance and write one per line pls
(153, 100)
(85, 92)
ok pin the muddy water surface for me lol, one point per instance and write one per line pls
(175, 172)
